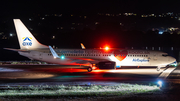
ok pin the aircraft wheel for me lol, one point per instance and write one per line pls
(89, 69)
(158, 69)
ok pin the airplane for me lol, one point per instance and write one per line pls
(103, 58)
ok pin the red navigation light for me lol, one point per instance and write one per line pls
(106, 48)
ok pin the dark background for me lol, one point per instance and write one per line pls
(45, 19)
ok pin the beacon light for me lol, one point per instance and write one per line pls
(106, 48)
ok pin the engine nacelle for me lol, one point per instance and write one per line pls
(107, 65)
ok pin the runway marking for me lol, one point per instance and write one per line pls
(149, 71)
(9, 70)
(166, 73)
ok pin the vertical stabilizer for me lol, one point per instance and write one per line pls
(26, 39)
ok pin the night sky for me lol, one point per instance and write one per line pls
(19, 7)
(103, 34)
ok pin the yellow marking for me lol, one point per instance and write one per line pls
(25, 37)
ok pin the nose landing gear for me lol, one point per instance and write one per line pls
(158, 68)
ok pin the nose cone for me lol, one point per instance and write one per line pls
(173, 61)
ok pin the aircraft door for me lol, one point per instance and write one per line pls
(155, 57)
(40, 55)
(154, 60)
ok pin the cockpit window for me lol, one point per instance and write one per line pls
(164, 55)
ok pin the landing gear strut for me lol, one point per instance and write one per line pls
(89, 69)
(158, 68)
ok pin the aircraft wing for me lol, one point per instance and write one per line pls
(78, 60)
(53, 52)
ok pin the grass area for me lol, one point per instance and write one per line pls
(74, 91)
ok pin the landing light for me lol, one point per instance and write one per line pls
(94, 67)
(160, 83)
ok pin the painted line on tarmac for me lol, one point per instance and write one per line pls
(166, 73)
(9, 70)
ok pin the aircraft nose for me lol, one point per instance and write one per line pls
(172, 59)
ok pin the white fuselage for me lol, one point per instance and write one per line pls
(93, 56)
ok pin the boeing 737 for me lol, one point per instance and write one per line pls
(99, 58)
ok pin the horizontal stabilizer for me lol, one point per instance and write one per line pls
(17, 50)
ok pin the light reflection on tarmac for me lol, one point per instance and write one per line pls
(55, 73)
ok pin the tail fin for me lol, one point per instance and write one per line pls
(26, 39)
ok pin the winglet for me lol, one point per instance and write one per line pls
(53, 53)
(82, 46)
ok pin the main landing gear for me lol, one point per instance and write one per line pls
(89, 69)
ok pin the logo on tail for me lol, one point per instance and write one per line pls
(27, 41)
